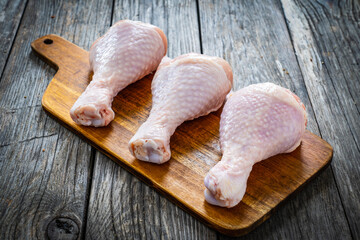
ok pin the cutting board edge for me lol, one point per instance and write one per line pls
(34, 46)
(227, 229)
(237, 232)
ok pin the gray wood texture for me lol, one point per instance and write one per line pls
(260, 54)
(10, 15)
(45, 169)
(326, 39)
(127, 207)
(54, 185)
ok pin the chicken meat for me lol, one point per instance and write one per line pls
(184, 88)
(257, 122)
(127, 52)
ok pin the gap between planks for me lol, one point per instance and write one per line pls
(312, 106)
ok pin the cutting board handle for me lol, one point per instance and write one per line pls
(58, 52)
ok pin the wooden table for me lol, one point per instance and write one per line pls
(53, 184)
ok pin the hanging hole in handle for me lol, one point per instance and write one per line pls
(48, 41)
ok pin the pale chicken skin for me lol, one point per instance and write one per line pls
(128, 51)
(184, 88)
(257, 122)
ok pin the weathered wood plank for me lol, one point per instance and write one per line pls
(10, 15)
(44, 169)
(182, 178)
(326, 38)
(126, 207)
(253, 37)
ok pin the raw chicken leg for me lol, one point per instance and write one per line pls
(184, 88)
(128, 51)
(257, 122)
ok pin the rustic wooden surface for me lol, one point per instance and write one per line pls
(260, 54)
(66, 187)
(9, 10)
(45, 169)
(195, 146)
(152, 216)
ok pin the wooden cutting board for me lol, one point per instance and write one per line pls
(195, 146)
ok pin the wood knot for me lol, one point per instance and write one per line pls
(62, 228)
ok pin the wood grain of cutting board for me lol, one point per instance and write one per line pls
(195, 146)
